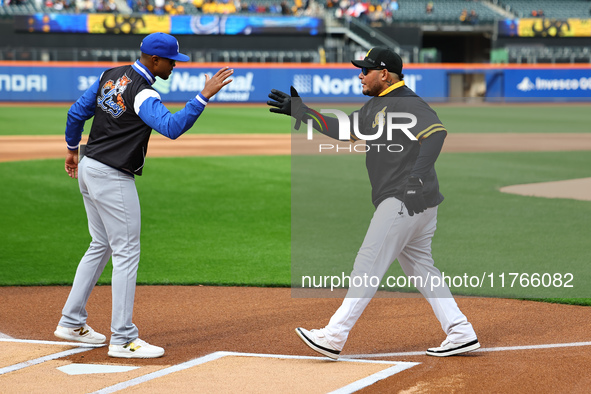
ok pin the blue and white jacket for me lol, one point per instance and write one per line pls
(126, 108)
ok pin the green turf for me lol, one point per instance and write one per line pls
(480, 230)
(223, 119)
(216, 119)
(227, 220)
(519, 118)
(204, 220)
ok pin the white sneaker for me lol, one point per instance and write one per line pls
(449, 348)
(81, 334)
(318, 342)
(135, 349)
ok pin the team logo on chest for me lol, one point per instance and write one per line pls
(380, 117)
(110, 97)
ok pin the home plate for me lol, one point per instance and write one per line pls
(87, 369)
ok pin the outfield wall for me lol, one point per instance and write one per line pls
(65, 82)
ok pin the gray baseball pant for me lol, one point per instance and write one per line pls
(407, 238)
(114, 221)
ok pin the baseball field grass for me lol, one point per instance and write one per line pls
(204, 221)
(481, 231)
(231, 220)
(221, 119)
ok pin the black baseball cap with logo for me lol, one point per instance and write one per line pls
(381, 58)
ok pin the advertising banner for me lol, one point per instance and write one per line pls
(251, 84)
(547, 84)
(173, 24)
(66, 82)
(543, 27)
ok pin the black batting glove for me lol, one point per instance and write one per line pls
(413, 196)
(282, 104)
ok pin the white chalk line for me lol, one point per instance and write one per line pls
(43, 359)
(79, 348)
(487, 349)
(77, 344)
(355, 386)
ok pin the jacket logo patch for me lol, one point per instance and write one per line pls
(110, 97)
(380, 117)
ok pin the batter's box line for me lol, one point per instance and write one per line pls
(76, 344)
(481, 350)
(397, 366)
(80, 347)
(4, 336)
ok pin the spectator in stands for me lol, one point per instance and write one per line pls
(314, 8)
(463, 16)
(379, 15)
(169, 7)
(394, 6)
(429, 8)
(83, 6)
(285, 9)
(159, 7)
(172, 8)
(208, 7)
(358, 9)
(59, 5)
(141, 6)
(111, 6)
(227, 7)
(297, 5)
(332, 4)
(473, 17)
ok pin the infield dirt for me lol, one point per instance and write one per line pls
(193, 321)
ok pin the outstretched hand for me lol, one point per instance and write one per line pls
(215, 83)
(288, 104)
(281, 103)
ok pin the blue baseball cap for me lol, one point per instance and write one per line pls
(163, 45)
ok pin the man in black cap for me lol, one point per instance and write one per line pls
(125, 108)
(405, 192)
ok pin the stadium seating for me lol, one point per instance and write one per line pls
(543, 54)
(447, 11)
(551, 8)
(443, 11)
(409, 11)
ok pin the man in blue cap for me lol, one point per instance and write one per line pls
(126, 109)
